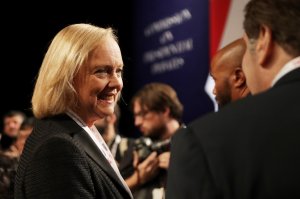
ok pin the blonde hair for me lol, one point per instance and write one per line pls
(54, 92)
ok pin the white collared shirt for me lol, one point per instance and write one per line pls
(291, 65)
(99, 141)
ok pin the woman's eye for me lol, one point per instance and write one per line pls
(120, 72)
(109, 71)
(102, 71)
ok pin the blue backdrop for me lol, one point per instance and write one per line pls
(172, 46)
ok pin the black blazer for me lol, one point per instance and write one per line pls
(249, 149)
(60, 160)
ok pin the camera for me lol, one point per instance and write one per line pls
(144, 146)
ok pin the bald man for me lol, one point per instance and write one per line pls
(226, 70)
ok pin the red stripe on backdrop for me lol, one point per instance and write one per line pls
(218, 11)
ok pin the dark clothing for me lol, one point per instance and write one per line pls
(249, 149)
(6, 141)
(147, 190)
(122, 150)
(60, 160)
(8, 169)
(156, 187)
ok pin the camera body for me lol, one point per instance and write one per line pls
(145, 146)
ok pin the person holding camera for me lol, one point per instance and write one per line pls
(122, 149)
(157, 113)
(120, 146)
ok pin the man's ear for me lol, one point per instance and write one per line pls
(264, 45)
(166, 111)
(239, 78)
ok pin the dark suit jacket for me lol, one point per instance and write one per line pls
(249, 149)
(60, 160)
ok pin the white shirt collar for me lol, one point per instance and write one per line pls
(99, 141)
(291, 65)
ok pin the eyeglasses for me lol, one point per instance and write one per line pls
(141, 114)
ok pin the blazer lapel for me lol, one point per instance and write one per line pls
(92, 150)
(89, 146)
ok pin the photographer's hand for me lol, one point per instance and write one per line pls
(148, 169)
(144, 171)
(164, 160)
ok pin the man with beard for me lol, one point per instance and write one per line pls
(157, 113)
(226, 70)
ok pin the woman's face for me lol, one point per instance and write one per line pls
(99, 82)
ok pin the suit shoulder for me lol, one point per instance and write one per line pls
(234, 113)
(58, 145)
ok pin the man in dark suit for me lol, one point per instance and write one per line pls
(250, 148)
